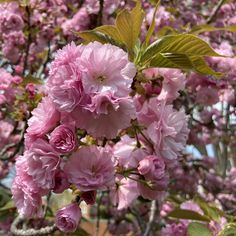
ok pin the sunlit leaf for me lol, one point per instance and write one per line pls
(129, 24)
(92, 35)
(110, 30)
(152, 26)
(179, 44)
(198, 29)
(182, 61)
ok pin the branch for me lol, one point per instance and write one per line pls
(29, 39)
(99, 17)
(12, 145)
(151, 218)
(215, 11)
(30, 232)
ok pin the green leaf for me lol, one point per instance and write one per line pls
(198, 229)
(4, 197)
(210, 211)
(200, 66)
(228, 230)
(152, 26)
(187, 214)
(8, 206)
(187, 44)
(7, 1)
(166, 30)
(110, 30)
(198, 29)
(128, 25)
(182, 61)
(92, 35)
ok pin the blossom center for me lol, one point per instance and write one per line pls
(101, 78)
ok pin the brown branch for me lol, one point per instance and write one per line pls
(29, 232)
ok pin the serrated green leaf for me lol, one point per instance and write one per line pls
(228, 230)
(187, 214)
(186, 44)
(198, 29)
(182, 61)
(198, 229)
(200, 66)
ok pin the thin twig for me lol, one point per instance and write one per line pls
(16, 145)
(215, 11)
(151, 218)
(29, 39)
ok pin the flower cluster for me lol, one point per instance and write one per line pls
(88, 90)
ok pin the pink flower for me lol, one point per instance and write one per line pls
(125, 192)
(42, 163)
(63, 139)
(175, 229)
(154, 172)
(64, 83)
(90, 168)
(207, 96)
(44, 118)
(127, 154)
(68, 218)
(79, 22)
(173, 81)
(10, 21)
(166, 127)
(89, 197)
(105, 116)
(152, 167)
(27, 197)
(216, 226)
(106, 68)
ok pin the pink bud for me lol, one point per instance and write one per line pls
(68, 218)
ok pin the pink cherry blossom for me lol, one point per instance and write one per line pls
(125, 192)
(166, 127)
(68, 218)
(42, 163)
(105, 116)
(63, 139)
(106, 68)
(27, 197)
(44, 118)
(90, 168)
